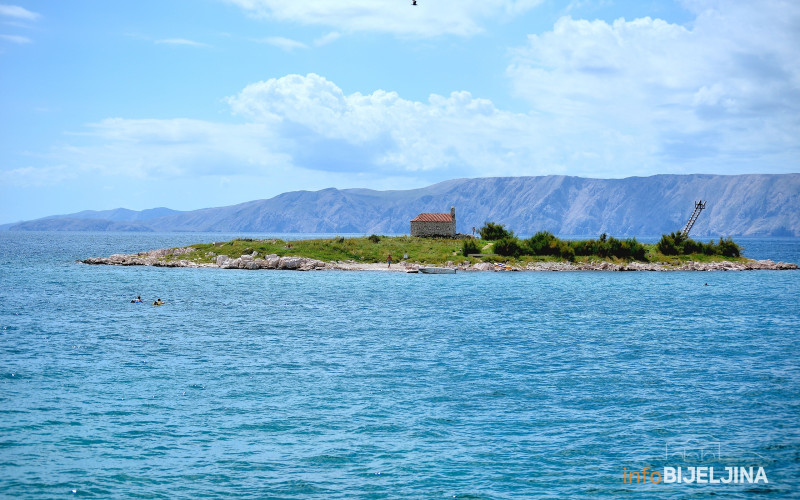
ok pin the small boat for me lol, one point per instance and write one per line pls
(412, 271)
(437, 270)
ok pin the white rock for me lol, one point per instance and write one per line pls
(289, 263)
(231, 264)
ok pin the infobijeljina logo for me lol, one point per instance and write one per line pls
(702, 462)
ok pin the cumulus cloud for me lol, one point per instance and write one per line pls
(428, 18)
(725, 88)
(324, 129)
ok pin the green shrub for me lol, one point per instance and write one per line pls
(508, 247)
(542, 243)
(728, 248)
(469, 246)
(671, 244)
(374, 238)
(608, 246)
(493, 232)
(677, 243)
(584, 247)
(566, 251)
(637, 250)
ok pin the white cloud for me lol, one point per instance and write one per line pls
(590, 119)
(174, 148)
(428, 18)
(324, 129)
(156, 150)
(38, 176)
(18, 12)
(635, 97)
(20, 16)
(16, 39)
(181, 41)
(724, 91)
(307, 124)
(328, 38)
(282, 43)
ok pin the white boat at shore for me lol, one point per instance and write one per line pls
(437, 270)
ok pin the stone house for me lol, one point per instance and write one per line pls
(442, 225)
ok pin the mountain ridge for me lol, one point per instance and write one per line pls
(738, 205)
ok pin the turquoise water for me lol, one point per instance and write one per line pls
(280, 384)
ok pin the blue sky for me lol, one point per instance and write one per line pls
(197, 103)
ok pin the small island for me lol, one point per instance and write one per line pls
(497, 250)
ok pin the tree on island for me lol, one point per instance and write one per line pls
(493, 232)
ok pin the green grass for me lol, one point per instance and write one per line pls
(419, 250)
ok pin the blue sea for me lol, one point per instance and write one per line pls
(282, 384)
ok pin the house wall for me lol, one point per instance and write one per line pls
(422, 228)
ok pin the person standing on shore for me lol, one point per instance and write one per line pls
(389, 260)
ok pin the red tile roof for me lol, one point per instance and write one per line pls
(433, 218)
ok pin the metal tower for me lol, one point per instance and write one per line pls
(698, 207)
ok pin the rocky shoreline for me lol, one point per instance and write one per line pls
(170, 257)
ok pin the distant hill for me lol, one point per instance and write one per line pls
(751, 205)
(118, 219)
(121, 214)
